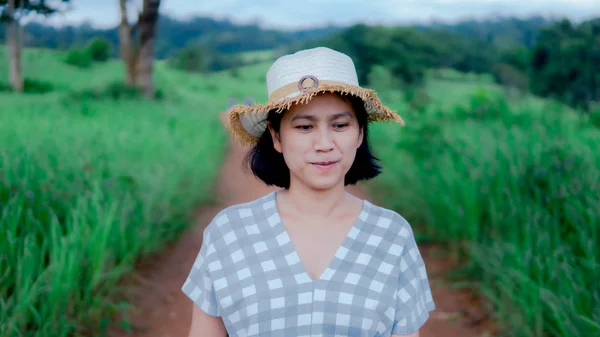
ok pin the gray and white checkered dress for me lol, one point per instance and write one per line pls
(248, 273)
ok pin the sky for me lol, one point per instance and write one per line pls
(287, 14)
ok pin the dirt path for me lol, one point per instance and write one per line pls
(164, 311)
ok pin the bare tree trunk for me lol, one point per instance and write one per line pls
(147, 23)
(14, 39)
(126, 46)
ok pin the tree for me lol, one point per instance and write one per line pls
(138, 56)
(565, 63)
(12, 12)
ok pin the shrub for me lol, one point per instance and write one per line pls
(113, 91)
(204, 59)
(595, 117)
(5, 87)
(30, 86)
(99, 49)
(484, 105)
(79, 58)
(37, 87)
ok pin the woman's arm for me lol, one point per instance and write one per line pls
(205, 325)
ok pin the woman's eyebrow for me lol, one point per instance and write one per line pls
(313, 117)
(341, 114)
(309, 117)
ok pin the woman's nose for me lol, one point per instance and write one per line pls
(323, 140)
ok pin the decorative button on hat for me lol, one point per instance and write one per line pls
(312, 81)
(295, 79)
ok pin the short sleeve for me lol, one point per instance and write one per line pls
(414, 298)
(199, 284)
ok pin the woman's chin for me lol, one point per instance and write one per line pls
(325, 183)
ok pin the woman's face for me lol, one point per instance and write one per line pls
(318, 141)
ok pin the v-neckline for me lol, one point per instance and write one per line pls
(333, 261)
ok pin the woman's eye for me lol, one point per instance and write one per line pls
(304, 127)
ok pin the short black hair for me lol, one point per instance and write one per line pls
(269, 165)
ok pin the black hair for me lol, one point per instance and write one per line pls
(269, 165)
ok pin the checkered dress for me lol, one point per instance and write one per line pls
(248, 273)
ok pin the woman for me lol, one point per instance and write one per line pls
(309, 259)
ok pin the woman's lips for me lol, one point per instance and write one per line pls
(324, 165)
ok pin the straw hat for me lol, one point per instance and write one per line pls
(296, 79)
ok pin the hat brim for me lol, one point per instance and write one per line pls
(247, 122)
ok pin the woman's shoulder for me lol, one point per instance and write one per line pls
(236, 215)
(389, 219)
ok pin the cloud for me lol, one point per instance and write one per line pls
(291, 13)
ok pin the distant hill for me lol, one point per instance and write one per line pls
(503, 32)
(228, 37)
(174, 34)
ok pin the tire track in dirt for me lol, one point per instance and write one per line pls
(162, 310)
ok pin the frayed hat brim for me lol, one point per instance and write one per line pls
(376, 111)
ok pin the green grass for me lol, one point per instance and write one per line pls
(258, 56)
(90, 184)
(455, 75)
(47, 66)
(513, 188)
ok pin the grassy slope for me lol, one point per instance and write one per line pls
(513, 184)
(88, 184)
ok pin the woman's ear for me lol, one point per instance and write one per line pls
(275, 137)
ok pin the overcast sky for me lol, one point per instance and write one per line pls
(304, 13)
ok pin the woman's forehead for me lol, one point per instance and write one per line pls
(323, 106)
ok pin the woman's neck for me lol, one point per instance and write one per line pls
(300, 199)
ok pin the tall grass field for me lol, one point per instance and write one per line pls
(92, 178)
(512, 187)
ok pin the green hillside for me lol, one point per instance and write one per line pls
(509, 183)
(93, 177)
